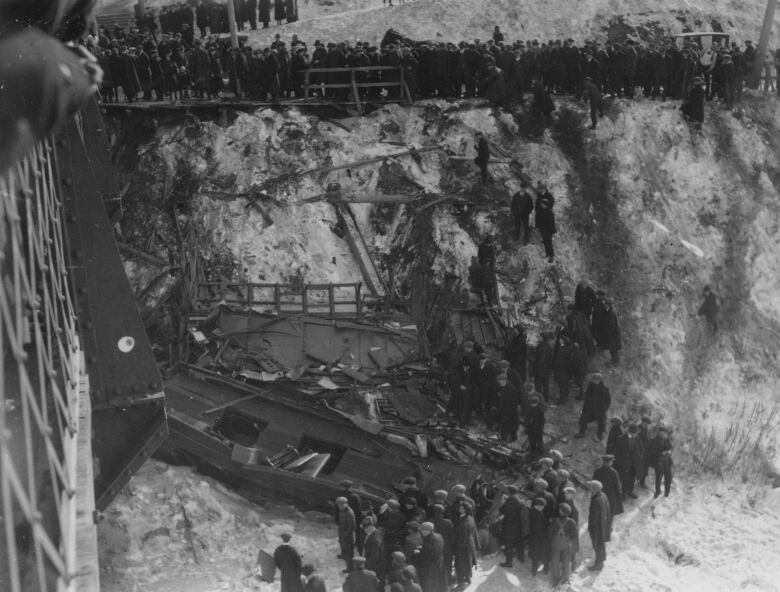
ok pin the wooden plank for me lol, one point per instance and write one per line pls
(141, 254)
(360, 251)
(355, 92)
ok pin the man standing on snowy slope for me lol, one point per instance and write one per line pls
(693, 106)
(545, 220)
(659, 456)
(605, 326)
(433, 577)
(592, 92)
(599, 524)
(595, 405)
(346, 531)
(522, 206)
(610, 484)
(483, 155)
(709, 309)
(288, 561)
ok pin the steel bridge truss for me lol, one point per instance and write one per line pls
(47, 531)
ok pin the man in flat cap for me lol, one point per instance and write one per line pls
(346, 531)
(599, 523)
(353, 500)
(534, 426)
(595, 405)
(574, 514)
(644, 438)
(541, 489)
(393, 522)
(659, 456)
(433, 577)
(538, 535)
(361, 579)
(399, 564)
(562, 533)
(288, 562)
(610, 483)
(373, 547)
(514, 526)
(445, 527)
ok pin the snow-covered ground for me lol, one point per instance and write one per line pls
(709, 535)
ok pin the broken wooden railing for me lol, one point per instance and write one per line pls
(330, 300)
(354, 85)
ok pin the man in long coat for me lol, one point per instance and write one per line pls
(265, 12)
(346, 532)
(595, 405)
(599, 524)
(433, 577)
(444, 526)
(522, 206)
(288, 561)
(515, 522)
(373, 547)
(606, 329)
(610, 484)
(361, 579)
(545, 222)
(541, 367)
(538, 541)
(483, 156)
(508, 401)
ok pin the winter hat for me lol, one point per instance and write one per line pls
(426, 526)
(608, 457)
(556, 454)
(541, 483)
(564, 509)
(546, 461)
(341, 500)
(595, 486)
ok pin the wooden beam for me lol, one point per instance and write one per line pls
(140, 254)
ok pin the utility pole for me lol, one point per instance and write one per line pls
(763, 42)
(231, 9)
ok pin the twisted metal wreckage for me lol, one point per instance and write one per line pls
(289, 404)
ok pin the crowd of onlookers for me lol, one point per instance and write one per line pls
(212, 16)
(179, 62)
(416, 542)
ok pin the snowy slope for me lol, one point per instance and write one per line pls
(455, 20)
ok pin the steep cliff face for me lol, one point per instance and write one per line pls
(647, 209)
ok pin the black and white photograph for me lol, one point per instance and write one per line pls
(389, 296)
